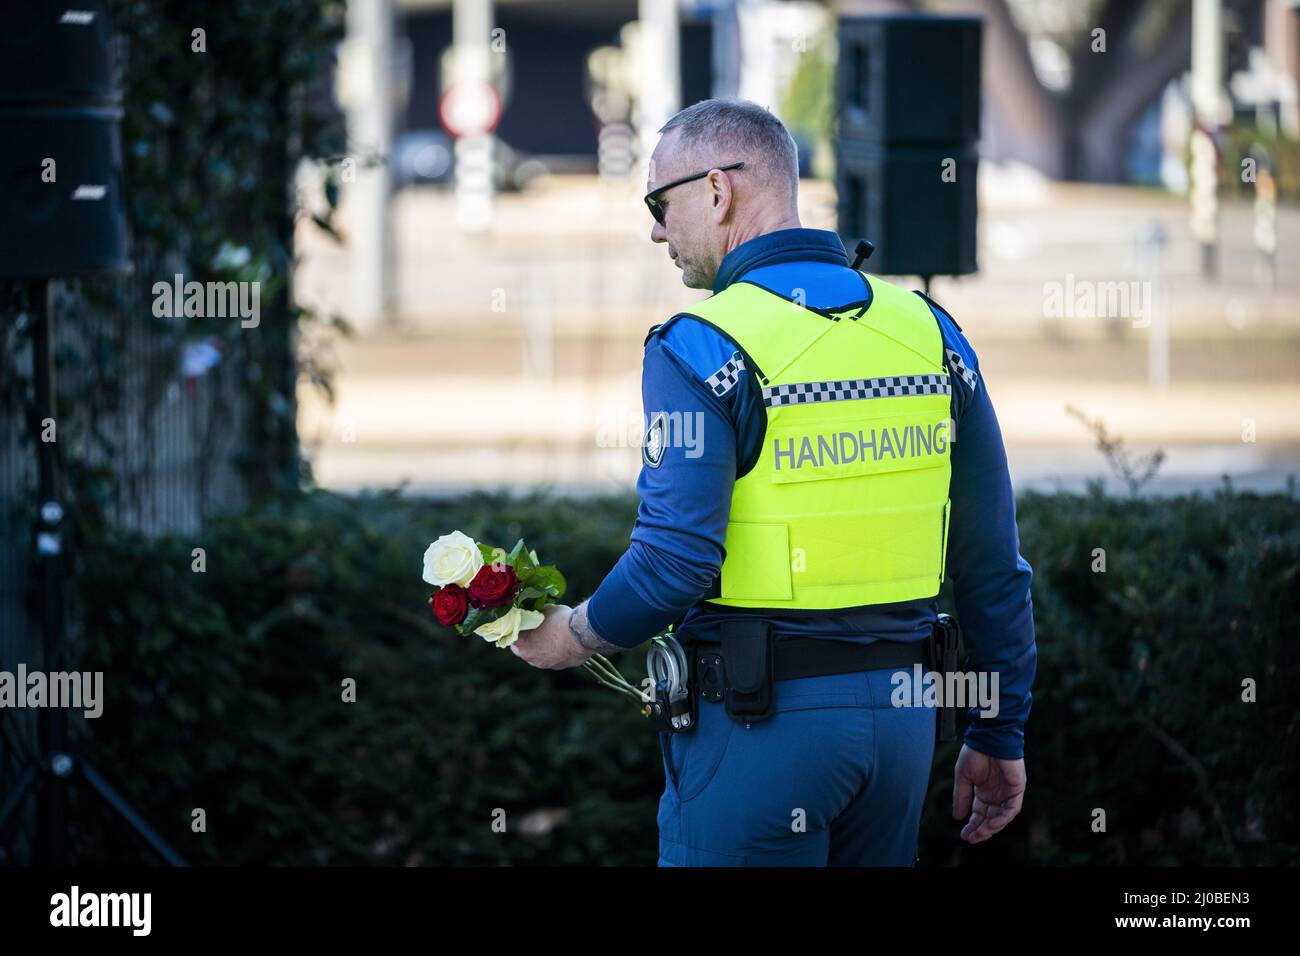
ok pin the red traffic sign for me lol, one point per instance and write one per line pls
(469, 108)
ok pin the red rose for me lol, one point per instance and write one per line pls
(492, 588)
(448, 604)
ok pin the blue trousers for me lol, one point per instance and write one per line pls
(837, 776)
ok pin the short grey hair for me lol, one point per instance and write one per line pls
(726, 130)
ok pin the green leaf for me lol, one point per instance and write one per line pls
(549, 579)
(477, 617)
(521, 560)
(492, 555)
(535, 599)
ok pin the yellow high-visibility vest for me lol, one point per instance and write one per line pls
(847, 505)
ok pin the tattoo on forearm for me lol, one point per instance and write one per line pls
(587, 637)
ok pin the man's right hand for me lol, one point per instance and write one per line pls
(997, 788)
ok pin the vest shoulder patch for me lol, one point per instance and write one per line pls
(959, 366)
(721, 382)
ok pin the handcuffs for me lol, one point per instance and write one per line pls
(670, 706)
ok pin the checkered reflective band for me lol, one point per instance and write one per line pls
(724, 379)
(957, 365)
(799, 393)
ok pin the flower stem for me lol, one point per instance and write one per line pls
(606, 667)
(605, 673)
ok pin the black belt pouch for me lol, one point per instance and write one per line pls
(747, 653)
(945, 638)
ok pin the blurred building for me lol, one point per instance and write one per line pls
(722, 48)
(1077, 89)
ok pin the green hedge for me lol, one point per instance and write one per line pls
(224, 691)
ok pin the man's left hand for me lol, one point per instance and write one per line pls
(989, 789)
(551, 645)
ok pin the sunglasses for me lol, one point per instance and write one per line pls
(652, 198)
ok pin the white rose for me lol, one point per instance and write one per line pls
(452, 559)
(504, 631)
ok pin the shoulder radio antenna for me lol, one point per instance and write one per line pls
(863, 250)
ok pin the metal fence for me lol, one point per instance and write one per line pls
(164, 417)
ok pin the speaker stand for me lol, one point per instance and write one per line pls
(48, 775)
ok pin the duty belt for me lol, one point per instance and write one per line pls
(740, 669)
(796, 657)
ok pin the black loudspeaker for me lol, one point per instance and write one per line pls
(61, 214)
(61, 195)
(907, 150)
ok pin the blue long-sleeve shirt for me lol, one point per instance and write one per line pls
(715, 427)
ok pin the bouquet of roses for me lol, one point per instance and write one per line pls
(486, 591)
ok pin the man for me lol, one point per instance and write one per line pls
(825, 501)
